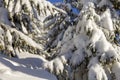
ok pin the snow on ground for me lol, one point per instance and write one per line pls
(25, 67)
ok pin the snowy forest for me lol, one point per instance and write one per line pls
(66, 40)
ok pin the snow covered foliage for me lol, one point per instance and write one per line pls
(24, 22)
(89, 43)
(96, 71)
(116, 70)
(106, 20)
(76, 46)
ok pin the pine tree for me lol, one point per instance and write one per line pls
(82, 46)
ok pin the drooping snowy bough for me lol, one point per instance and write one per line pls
(25, 24)
(82, 46)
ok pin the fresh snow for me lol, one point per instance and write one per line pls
(106, 20)
(116, 70)
(26, 67)
(76, 47)
(96, 71)
(4, 16)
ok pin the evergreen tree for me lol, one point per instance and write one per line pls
(82, 46)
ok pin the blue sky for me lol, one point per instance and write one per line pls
(54, 1)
